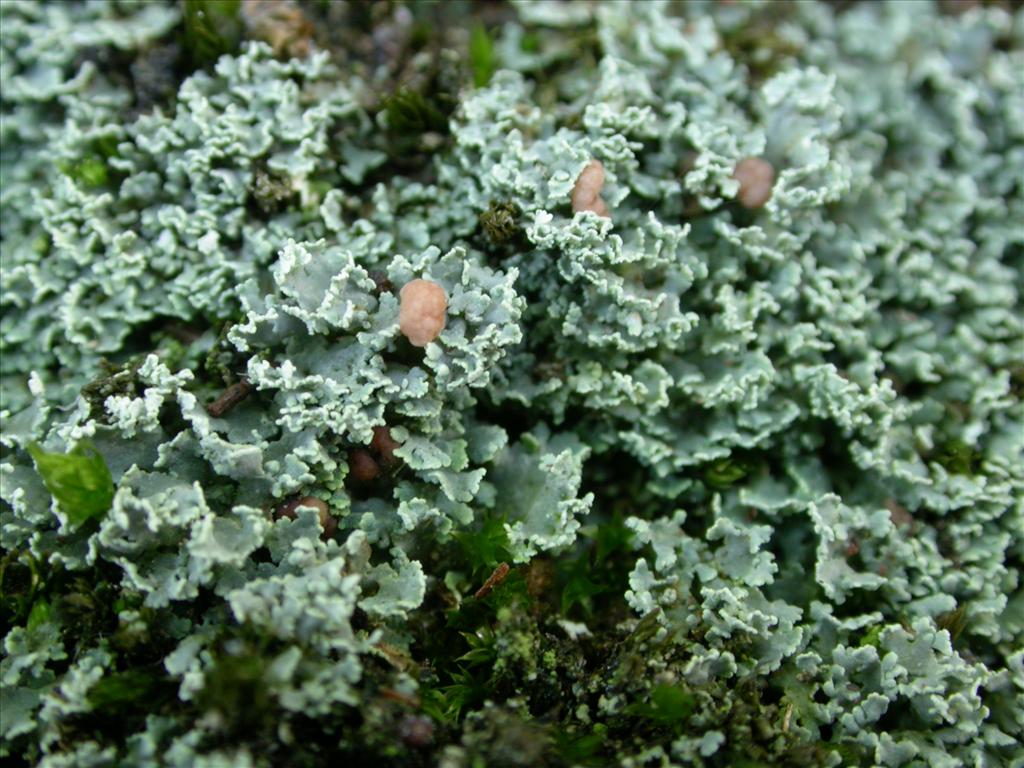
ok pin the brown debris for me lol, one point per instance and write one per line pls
(228, 399)
(280, 23)
(499, 575)
(402, 698)
(540, 576)
(397, 658)
(898, 513)
(381, 282)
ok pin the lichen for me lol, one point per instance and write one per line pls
(557, 384)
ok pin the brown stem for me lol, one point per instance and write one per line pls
(229, 398)
(492, 581)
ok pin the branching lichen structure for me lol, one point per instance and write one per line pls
(540, 383)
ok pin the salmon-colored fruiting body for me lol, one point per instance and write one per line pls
(383, 444)
(586, 195)
(756, 177)
(327, 521)
(421, 313)
(361, 466)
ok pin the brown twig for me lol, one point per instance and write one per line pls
(402, 698)
(492, 581)
(229, 398)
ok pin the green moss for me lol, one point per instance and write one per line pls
(872, 637)
(270, 192)
(486, 547)
(220, 360)
(957, 458)
(113, 380)
(410, 114)
(500, 222)
(20, 583)
(90, 172)
(131, 691)
(212, 28)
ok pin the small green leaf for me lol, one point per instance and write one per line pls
(872, 637)
(40, 614)
(724, 473)
(481, 56)
(79, 480)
